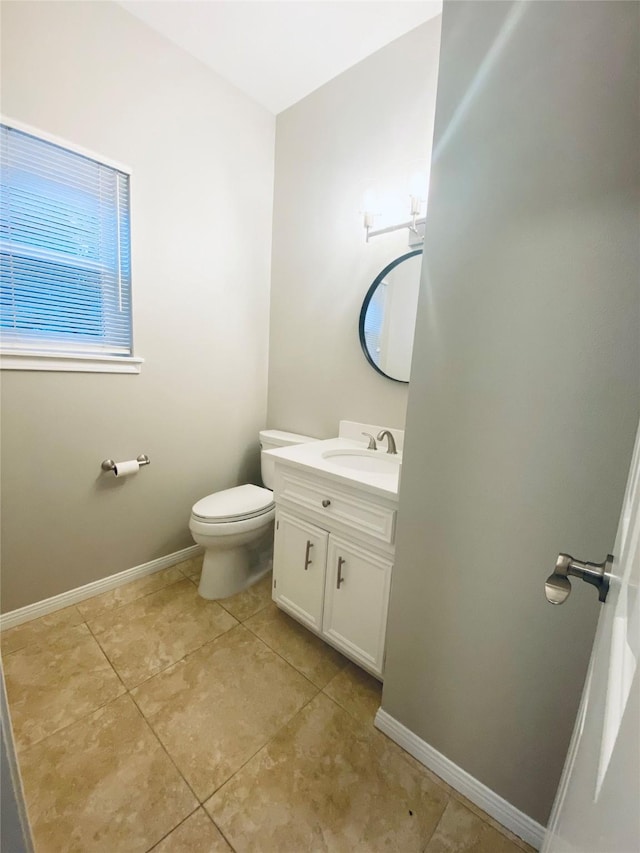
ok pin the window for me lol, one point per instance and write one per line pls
(373, 322)
(65, 262)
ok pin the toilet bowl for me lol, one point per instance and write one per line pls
(227, 523)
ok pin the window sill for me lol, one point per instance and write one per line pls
(70, 363)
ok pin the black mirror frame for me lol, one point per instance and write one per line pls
(363, 311)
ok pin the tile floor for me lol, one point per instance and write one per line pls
(149, 719)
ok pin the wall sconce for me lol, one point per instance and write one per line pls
(417, 188)
(415, 224)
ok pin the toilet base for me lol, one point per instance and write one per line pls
(226, 573)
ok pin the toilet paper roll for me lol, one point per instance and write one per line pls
(126, 469)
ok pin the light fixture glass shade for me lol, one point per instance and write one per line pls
(418, 185)
(370, 201)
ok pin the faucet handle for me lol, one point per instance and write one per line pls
(372, 441)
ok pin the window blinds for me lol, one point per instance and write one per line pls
(65, 265)
(373, 322)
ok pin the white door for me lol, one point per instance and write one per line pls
(299, 561)
(355, 602)
(597, 807)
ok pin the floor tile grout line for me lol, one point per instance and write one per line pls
(281, 656)
(173, 829)
(63, 629)
(183, 658)
(169, 665)
(184, 820)
(346, 711)
(317, 689)
(264, 746)
(370, 730)
(130, 690)
(88, 713)
(133, 600)
(450, 794)
(108, 659)
(437, 824)
(192, 651)
(127, 690)
(187, 577)
(281, 729)
(220, 830)
(85, 620)
(239, 624)
(122, 586)
(82, 620)
(198, 800)
(409, 759)
(250, 616)
(21, 750)
(340, 705)
(165, 750)
(489, 821)
(173, 663)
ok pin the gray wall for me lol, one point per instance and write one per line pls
(370, 127)
(15, 836)
(202, 190)
(524, 391)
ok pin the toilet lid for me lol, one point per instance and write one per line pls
(234, 504)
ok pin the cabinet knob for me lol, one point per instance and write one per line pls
(326, 502)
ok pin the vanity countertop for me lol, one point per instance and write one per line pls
(311, 457)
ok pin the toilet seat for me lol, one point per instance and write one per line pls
(240, 503)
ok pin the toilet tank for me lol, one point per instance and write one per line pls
(270, 439)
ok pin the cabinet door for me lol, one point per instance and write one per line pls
(299, 561)
(356, 599)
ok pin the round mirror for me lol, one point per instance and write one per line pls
(388, 317)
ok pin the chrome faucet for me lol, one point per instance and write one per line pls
(391, 442)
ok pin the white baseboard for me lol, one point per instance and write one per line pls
(73, 596)
(490, 802)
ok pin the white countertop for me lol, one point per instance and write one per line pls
(309, 458)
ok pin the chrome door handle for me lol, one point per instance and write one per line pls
(557, 587)
(341, 563)
(307, 558)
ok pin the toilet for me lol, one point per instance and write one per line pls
(227, 523)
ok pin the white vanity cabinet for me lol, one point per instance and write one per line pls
(300, 555)
(355, 602)
(333, 555)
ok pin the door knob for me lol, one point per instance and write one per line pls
(558, 586)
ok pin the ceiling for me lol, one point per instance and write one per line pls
(278, 52)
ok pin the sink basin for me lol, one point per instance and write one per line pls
(372, 461)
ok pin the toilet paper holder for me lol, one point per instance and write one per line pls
(109, 464)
